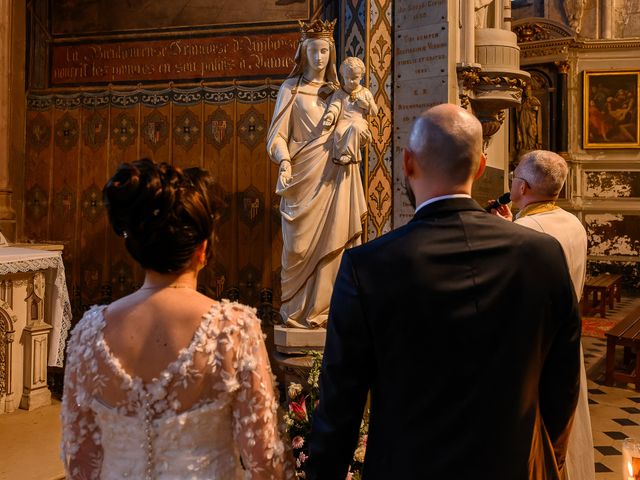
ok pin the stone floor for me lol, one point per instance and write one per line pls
(615, 411)
(29, 441)
(30, 444)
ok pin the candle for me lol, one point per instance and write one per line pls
(631, 459)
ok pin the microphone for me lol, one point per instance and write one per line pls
(501, 200)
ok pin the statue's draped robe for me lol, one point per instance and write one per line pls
(321, 208)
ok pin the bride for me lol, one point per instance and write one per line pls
(166, 383)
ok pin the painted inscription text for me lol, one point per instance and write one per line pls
(211, 58)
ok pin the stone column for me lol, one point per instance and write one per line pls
(9, 405)
(607, 18)
(7, 213)
(563, 106)
(498, 13)
(35, 392)
(506, 21)
(468, 34)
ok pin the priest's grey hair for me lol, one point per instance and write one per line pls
(544, 171)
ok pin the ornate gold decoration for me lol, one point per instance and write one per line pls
(381, 127)
(469, 77)
(541, 29)
(317, 29)
(380, 49)
(562, 66)
(544, 50)
(530, 32)
(380, 196)
(503, 81)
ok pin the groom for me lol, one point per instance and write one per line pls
(464, 327)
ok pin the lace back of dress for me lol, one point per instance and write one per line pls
(219, 378)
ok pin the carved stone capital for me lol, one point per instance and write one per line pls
(563, 67)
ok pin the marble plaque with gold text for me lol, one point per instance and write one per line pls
(421, 54)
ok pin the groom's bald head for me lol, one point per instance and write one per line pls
(446, 142)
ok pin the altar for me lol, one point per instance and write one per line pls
(35, 316)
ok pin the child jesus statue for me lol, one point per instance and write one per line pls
(349, 109)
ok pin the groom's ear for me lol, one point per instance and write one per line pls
(408, 162)
(481, 166)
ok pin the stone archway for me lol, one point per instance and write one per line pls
(7, 336)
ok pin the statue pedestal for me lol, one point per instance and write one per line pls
(298, 340)
(292, 345)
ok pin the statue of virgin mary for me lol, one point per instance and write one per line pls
(322, 204)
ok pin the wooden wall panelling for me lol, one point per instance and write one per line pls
(274, 214)
(124, 132)
(155, 125)
(219, 159)
(67, 151)
(122, 274)
(252, 179)
(92, 157)
(38, 159)
(186, 127)
(91, 242)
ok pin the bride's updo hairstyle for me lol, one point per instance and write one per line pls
(162, 212)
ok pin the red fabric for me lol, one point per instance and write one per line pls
(596, 326)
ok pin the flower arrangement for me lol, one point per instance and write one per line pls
(298, 419)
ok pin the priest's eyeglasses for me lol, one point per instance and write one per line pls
(512, 177)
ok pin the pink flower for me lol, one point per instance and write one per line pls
(363, 440)
(303, 458)
(299, 409)
(297, 442)
(349, 476)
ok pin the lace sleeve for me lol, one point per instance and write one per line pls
(255, 406)
(81, 449)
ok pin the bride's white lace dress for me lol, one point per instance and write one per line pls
(210, 414)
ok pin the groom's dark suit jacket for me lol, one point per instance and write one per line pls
(465, 328)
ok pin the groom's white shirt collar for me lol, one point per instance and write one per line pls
(441, 197)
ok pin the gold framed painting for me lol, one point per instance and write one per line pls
(611, 118)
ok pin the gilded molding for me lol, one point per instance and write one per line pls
(563, 67)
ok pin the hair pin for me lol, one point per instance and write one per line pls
(125, 234)
(156, 212)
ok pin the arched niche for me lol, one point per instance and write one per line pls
(7, 337)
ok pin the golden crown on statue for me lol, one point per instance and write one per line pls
(317, 29)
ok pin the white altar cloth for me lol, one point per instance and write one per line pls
(17, 260)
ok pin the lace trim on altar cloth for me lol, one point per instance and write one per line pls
(62, 305)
